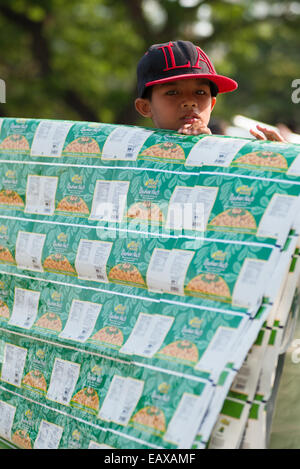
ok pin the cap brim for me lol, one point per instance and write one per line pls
(223, 83)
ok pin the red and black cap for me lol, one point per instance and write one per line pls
(175, 61)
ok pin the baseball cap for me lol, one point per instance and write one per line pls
(176, 60)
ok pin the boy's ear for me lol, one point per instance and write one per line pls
(213, 102)
(143, 106)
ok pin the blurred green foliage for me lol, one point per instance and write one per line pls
(76, 59)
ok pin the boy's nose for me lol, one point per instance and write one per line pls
(189, 103)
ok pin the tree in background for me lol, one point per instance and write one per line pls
(76, 59)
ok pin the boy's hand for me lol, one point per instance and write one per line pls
(196, 128)
(268, 134)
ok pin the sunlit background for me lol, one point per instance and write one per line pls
(76, 59)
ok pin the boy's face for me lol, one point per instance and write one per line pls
(178, 103)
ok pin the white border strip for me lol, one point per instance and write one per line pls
(244, 176)
(133, 168)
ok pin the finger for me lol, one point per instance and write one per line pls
(257, 135)
(273, 136)
(267, 132)
(184, 128)
(197, 131)
(270, 134)
(191, 129)
(194, 129)
(206, 130)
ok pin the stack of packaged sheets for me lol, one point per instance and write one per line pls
(148, 284)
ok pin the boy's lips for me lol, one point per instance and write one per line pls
(191, 118)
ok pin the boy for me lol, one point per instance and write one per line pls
(177, 89)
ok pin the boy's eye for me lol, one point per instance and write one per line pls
(201, 92)
(171, 92)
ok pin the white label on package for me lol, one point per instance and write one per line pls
(81, 320)
(121, 399)
(175, 270)
(40, 194)
(294, 169)
(91, 260)
(29, 247)
(179, 206)
(167, 270)
(278, 216)
(147, 335)
(155, 273)
(185, 421)
(190, 208)
(125, 143)
(250, 283)
(216, 351)
(203, 201)
(13, 364)
(214, 151)
(63, 381)
(7, 414)
(109, 200)
(49, 138)
(49, 436)
(25, 308)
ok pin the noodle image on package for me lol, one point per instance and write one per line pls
(10, 198)
(165, 151)
(72, 204)
(126, 273)
(14, 142)
(162, 146)
(58, 263)
(4, 310)
(50, 321)
(209, 284)
(22, 439)
(110, 335)
(35, 379)
(83, 145)
(263, 158)
(5, 255)
(87, 398)
(151, 416)
(181, 349)
(84, 140)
